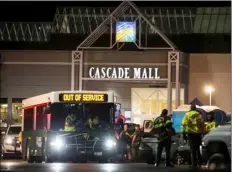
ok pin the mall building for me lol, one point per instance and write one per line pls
(163, 65)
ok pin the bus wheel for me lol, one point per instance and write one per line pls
(83, 161)
(103, 160)
(150, 161)
(48, 160)
(38, 160)
(29, 159)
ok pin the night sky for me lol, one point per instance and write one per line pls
(44, 11)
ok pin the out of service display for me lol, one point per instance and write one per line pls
(83, 97)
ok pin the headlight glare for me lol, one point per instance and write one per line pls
(110, 143)
(58, 143)
(9, 141)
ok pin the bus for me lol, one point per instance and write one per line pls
(43, 123)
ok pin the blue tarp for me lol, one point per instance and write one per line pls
(195, 101)
(177, 117)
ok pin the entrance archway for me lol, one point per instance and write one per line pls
(173, 53)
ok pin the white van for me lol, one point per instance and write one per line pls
(11, 145)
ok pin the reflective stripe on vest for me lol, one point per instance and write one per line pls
(210, 125)
(69, 128)
(159, 122)
(192, 122)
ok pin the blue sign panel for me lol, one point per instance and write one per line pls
(125, 31)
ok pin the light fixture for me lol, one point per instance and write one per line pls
(209, 90)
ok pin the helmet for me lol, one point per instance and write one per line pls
(70, 119)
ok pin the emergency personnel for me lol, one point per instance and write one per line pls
(20, 137)
(90, 123)
(210, 124)
(193, 127)
(163, 127)
(70, 123)
(136, 138)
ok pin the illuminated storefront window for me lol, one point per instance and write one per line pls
(3, 109)
(151, 101)
(16, 111)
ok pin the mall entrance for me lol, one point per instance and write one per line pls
(147, 103)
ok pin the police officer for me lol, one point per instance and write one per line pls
(193, 126)
(90, 123)
(163, 127)
(210, 124)
(70, 123)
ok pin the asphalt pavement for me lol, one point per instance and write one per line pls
(19, 165)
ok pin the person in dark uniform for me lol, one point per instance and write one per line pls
(126, 140)
(136, 138)
(163, 127)
(193, 128)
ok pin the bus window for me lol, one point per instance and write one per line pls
(41, 118)
(98, 112)
(28, 119)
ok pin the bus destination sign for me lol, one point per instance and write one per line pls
(83, 97)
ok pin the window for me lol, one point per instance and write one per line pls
(28, 119)
(3, 109)
(82, 112)
(151, 101)
(41, 118)
(16, 111)
(14, 130)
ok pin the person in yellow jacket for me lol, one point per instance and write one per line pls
(193, 126)
(20, 137)
(70, 123)
(210, 124)
(90, 123)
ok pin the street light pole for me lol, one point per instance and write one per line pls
(209, 90)
(210, 98)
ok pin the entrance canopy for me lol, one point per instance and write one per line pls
(114, 17)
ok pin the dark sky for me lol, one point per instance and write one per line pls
(44, 11)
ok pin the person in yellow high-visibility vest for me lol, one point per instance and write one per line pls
(163, 128)
(70, 123)
(90, 123)
(193, 126)
(210, 124)
(20, 137)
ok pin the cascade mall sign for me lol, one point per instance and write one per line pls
(123, 73)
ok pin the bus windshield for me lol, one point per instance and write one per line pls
(82, 111)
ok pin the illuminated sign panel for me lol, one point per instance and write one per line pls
(83, 97)
(124, 73)
(125, 31)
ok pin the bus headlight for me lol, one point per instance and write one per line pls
(110, 143)
(58, 143)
